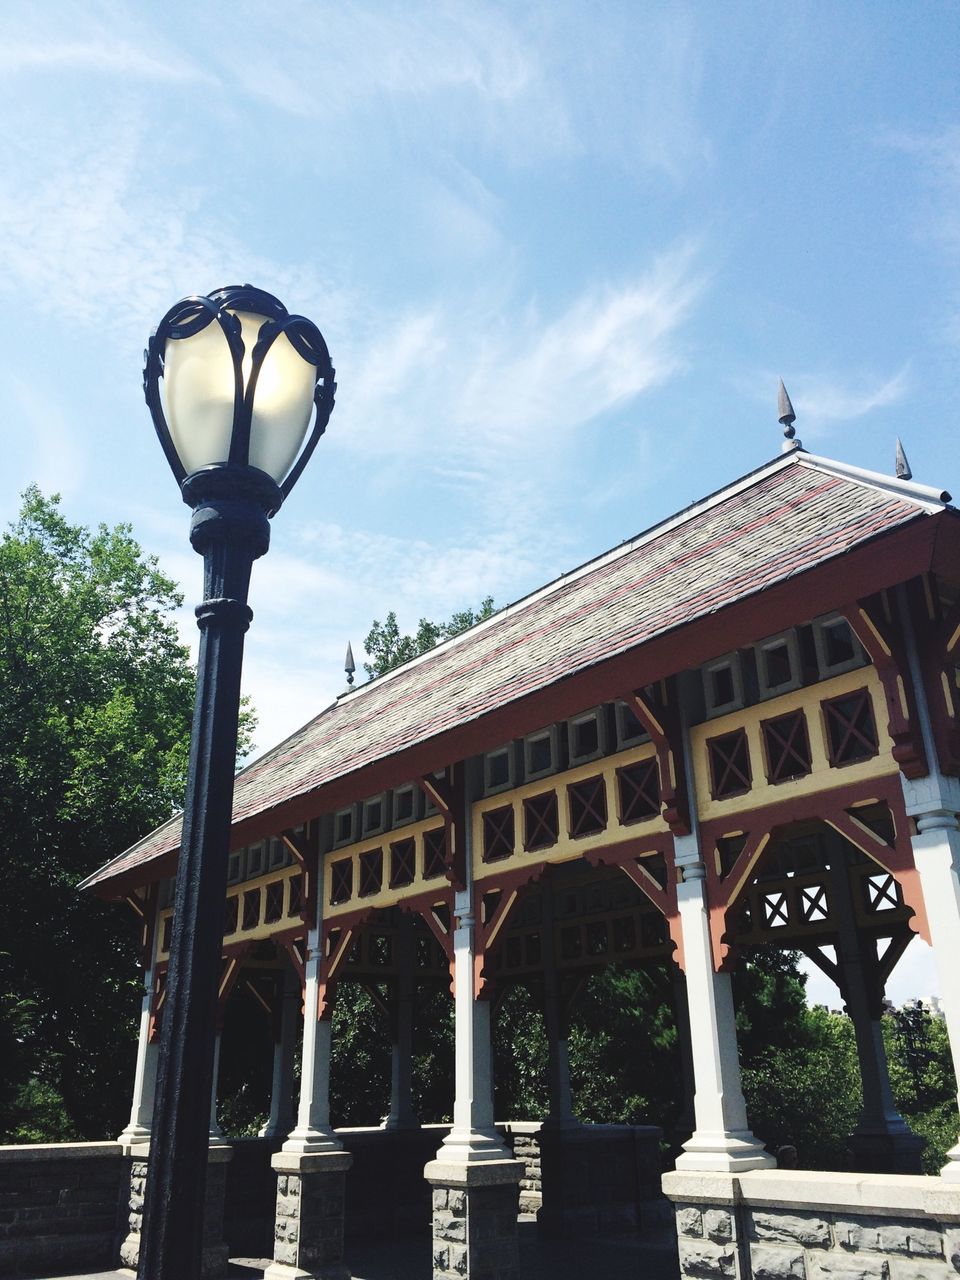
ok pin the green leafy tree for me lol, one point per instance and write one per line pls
(387, 648)
(96, 699)
(922, 1077)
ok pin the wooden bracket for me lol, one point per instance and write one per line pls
(881, 638)
(305, 849)
(486, 929)
(627, 855)
(662, 723)
(449, 795)
(836, 809)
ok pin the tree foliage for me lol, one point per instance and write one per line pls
(96, 699)
(387, 648)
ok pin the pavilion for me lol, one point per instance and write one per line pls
(736, 730)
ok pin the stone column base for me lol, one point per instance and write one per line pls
(475, 1219)
(308, 1238)
(215, 1251)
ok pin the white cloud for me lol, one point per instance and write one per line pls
(454, 386)
(103, 55)
(821, 400)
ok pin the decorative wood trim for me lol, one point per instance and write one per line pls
(881, 638)
(831, 807)
(449, 795)
(627, 855)
(924, 543)
(662, 723)
(331, 961)
(422, 905)
(938, 644)
(485, 931)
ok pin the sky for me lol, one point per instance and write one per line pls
(560, 253)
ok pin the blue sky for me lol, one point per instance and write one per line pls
(560, 253)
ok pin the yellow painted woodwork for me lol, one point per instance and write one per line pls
(567, 847)
(387, 897)
(822, 777)
(261, 930)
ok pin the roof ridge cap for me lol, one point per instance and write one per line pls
(928, 495)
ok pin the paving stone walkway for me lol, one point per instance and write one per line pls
(619, 1257)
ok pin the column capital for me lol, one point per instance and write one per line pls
(932, 797)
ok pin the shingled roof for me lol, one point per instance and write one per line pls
(786, 518)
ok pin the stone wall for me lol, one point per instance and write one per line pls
(59, 1207)
(772, 1224)
(588, 1179)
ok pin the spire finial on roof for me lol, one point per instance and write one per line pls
(787, 416)
(349, 665)
(903, 466)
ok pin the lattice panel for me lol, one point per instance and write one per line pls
(729, 758)
(587, 802)
(851, 729)
(541, 822)
(787, 747)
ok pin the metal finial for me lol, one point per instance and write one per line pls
(787, 417)
(349, 665)
(903, 466)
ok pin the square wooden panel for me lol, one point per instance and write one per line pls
(341, 881)
(403, 863)
(588, 806)
(729, 757)
(371, 872)
(786, 745)
(638, 786)
(434, 853)
(850, 728)
(498, 833)
(541, 822)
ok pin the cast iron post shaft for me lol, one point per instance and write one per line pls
(230, 530)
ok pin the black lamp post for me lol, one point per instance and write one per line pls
(241, 381)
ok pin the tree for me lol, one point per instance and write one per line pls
(96, 700)
(388, 648)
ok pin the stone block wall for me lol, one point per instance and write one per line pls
(59, 1207)
(784, 1225)
(525, 1144)
(475, 1233)
(215, 1252)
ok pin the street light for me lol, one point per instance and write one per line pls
(241, 380)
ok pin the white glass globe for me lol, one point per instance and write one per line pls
(198, 391)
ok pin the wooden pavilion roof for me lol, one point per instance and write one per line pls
(673, 596)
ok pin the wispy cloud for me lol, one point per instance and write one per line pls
(103, 55)
(455, 386)
(821, 401)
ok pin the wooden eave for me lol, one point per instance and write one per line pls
(930, 541)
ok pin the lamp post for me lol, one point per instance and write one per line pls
(241, 380)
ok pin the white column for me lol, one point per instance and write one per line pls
(474, 1137)
(137, 1131)
(722, 1141)
(934, 803)
(313, 1132)
(936, 850)
(281, 1089)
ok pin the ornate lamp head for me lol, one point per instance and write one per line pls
(241, 380)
